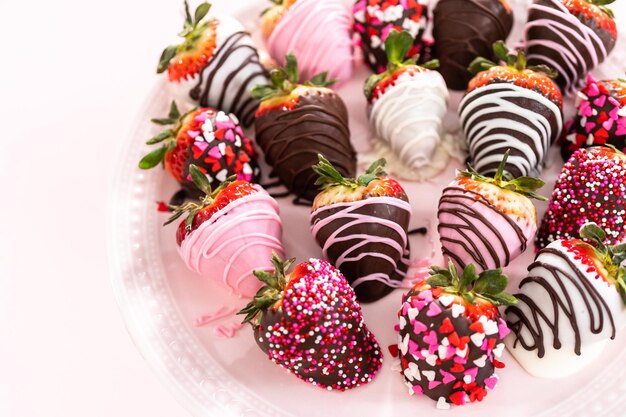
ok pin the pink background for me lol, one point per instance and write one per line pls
(73, 75)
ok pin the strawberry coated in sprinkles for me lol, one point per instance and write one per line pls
(445, 350)
(320, 336)
(600, 119)
(590, 188)
(220, 148)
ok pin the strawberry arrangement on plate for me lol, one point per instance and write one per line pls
(239, 109)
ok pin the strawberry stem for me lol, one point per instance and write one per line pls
(329, 176)
(271, 292)
(514, 60)
(490, 285)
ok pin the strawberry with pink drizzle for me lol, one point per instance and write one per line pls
(361, 225)
(487, 221)
(600, 118)
(570, 305)
(590, 187)
(309, 322)
(450, 334)
(229, 233)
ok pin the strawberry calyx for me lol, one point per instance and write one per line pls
(489, 285)
(515, 71)
(271, 292)
(329, 176)
(525, 186)
(284, 80)
(397, 46)
(193, 33)
(192, 208)
(166, 137)
(611, 256)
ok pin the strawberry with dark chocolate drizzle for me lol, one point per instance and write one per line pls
(296, 122)
(309, 322)
(361, 225)
(569, 305)
(215, 65)
(510, 107)
(450, 334)
(208, 138)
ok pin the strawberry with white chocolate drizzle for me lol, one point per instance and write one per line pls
(570, 304)
(450, 334)
(406, 106)
(309, 322)
(229, 233)
(487, 221)
(361, 225)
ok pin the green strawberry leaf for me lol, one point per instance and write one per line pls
(398, 45)
(200, 180)
(591, 231)
(166, 56)
(439, 280)
(291, 68)
(468, 277)
(503, 299)
(174, 113)
(153, 159)
(501, 51)
(433, 64)
(201, 11)
(160, 137)
(479, 65)
(491, 282)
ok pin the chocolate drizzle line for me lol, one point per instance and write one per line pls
(292, 139)
(585, 288)
(243, 105)
(462, 210)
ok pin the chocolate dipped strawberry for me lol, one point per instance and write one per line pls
(451, 334)
(216, 65)
(600, 118)
(465, 29)
(406, 106)
(487, 221)
(571, 36)
(309, 322)
(590, 188)
(296, 122)
(208, 138)
(318, 32)
(229, 233)
(510, 107)
(570, 305)
(361, 225)
(375, 19)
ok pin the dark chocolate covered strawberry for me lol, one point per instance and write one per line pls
(229, 232)
(375, 19)
(464, 30)
(361, 225)
(570, 304)
(590, 188)
(600, 118)
(208, 138)
(451, 334)
(510, 107)
(309, 322)
(487, 221)
(571, 36)
(216, 64)
(296, 122)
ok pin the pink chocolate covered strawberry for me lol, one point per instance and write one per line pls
(232, 231)
(487, 221)
(600, 119)
(309, 322)
(361, 225)
(450, 334)
(208, 138)
(590, 187)
(570, 305)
